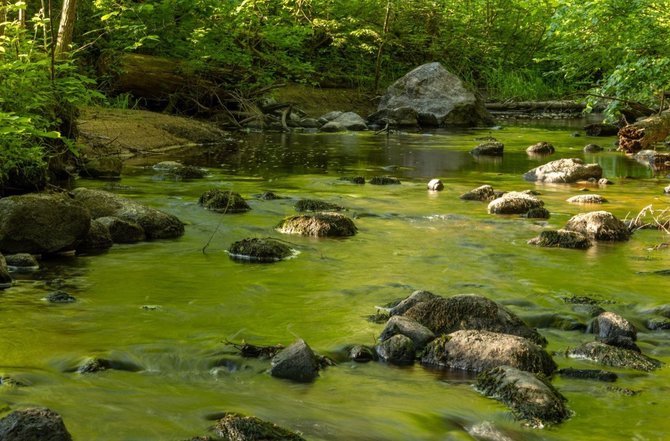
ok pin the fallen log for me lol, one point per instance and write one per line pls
(537, 106)
(644, 133)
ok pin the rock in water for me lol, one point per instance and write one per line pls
(260, 250)
(33, 424)
(541, 148)
(492, 148)
(223, 201)
(319, 225)
(398, 349)
(5, 278)
(613, 356)
(561, 239)
(297, 362)
(564, 171)
(531, 397)
(599, 225)
(235, 427)
(514, 202)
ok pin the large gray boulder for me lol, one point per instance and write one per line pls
(531, 397)
(41, 223)
(445, 315)
(437, 96)
(33, 424)
(599, 225)
(477, 351)
(297, 362)
(564, 171)
(155, 223)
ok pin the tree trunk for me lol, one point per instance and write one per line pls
(66, 28)
(380, 50)
(643, 134)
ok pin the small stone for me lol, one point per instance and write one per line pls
(592, 148)
(435, 185)
(587, 199)
(541, 148)
(490, 148)
(60, 297)
(359, 180)
(22, 262)
(297, 362)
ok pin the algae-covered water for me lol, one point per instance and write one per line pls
(170, 307)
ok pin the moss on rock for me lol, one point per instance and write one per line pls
(259, 250)
(318, 224)
(223, 201)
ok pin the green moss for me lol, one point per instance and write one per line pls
(561, 239)
(235, 427)
(613, 356)
(223, 201)
(318, 224)
(316, 205)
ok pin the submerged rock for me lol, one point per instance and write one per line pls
(260, 250)
(564, 171)
(60, 297)
(384, 180)
(477, 351)
(102, 168)
(541, 148)
(490, 148)
(223, 201)
(177, 170)
(319, 225)
(97, 239)
(485, 193)
(531, 397)
(435, 185)
(236, 427)
(362, 354)
(599, 225)
(415, 331)
(561, 239)
(588, 374)
(41, 223)
(360, 180)
(316, 205)
(613, 356)
(446, 315)
(96, 364)
(33, 424)
(587, 199)
(297, 362)
(398, 349)
(537, 213)
(514, 203)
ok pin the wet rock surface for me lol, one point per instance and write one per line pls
(260, 250)
(514, 203)
(223, 201)
(561, 239)
(236, 427)
(613, 356)
(485, 193)
(564, 171)
(297, 362)
(318, 225)
(599, 225)
(33, 424)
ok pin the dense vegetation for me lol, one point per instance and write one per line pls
(506, 49)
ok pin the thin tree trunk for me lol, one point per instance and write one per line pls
(380, 51)
(644, 133)
(3, 16)
(66, 28)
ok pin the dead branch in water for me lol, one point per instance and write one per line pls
(648, 218)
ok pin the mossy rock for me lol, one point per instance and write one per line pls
(319, 225)
(484, 193)
(599, 225)
(384, 180)
(561, 239)
(236, 427)
(316, 205)
(360, 180)
(537, 213)
(223, 201)
(587, 199)
(614, 356)
(514, 203)
(259, 250)
(489, 148)
(530, 397)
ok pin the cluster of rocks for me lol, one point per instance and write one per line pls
(583, 229)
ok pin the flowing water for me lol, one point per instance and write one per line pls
(170, 307)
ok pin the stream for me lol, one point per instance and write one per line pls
(171, 306)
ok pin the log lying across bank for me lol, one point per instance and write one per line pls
(644, 133)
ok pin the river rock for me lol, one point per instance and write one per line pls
(484, 193)
(60, 297)
(347, 121)
(601, 129)
(97, 364)
(437, 96)
(435, 185)
(561, 239)
(318, 225)
(612, 329)
(541, 148)
(416, 297)
(5, 278)
(235, 427)
(102, 168)
(419, 334)
(41, 223)
(223, 201)
(97, 239)
(155, 223)
(177, 170)
(446, 315)
(316, 205)
(332, 127)
(362, 354)
(599, 225)
(613, 356)
(359, 180)
(491, 148)
(514, 202)
(537, 213)
(653, 159)
(260, 250)
(22, 262)
(33, 424)
(122, 231)
(297, 362)
(398, 117)
(564, 171)
(384, 180)
(592, 148)
(531, 397)
(477, 351)
(398, 349)
(330, 116)
(587, 199)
